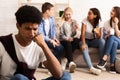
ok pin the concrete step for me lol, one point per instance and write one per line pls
(80, 74)
(94, 54)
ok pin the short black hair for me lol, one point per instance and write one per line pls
(46, 6)
(28, 14)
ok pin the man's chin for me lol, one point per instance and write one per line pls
(29, 40)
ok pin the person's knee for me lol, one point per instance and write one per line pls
(115, 43)
(66, 76)
(102, 41)
(60, 48)
(84, 51)
(111, 38)
(19, 77)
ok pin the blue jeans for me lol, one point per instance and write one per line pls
(57, 51)
(65, 76)
(19, 77)
(111, 46)
(96, 43)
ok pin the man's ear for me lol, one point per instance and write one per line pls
(17, 25)
(47, 11)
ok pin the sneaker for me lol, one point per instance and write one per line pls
(95, 71)
(64, 63)
(72, 67)
(112, 70)
(101, 65)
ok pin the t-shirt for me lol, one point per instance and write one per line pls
(107, 28)
(89, 27)
(47, 26)
(32, 55)
(68, 29)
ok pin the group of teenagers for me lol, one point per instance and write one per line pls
(94, 33)
(36, 42)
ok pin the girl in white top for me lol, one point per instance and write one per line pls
(90, 38)
(112, 36)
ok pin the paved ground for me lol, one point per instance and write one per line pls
(80, 74)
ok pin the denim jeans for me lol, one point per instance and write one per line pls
(111, 46)
(19, 77)
(95, 43)
(65, 76)
(57, 51)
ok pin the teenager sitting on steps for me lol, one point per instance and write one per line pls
(68, 37)
(90, 39)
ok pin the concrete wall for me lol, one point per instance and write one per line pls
(80, 9)
(7, 18)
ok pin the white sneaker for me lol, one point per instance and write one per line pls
(103, 69)
(63, 63)
(72, 67)
(95, 71)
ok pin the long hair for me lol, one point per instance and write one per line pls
(117, 14)
(98, 16)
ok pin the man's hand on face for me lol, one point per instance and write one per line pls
(39, 39)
